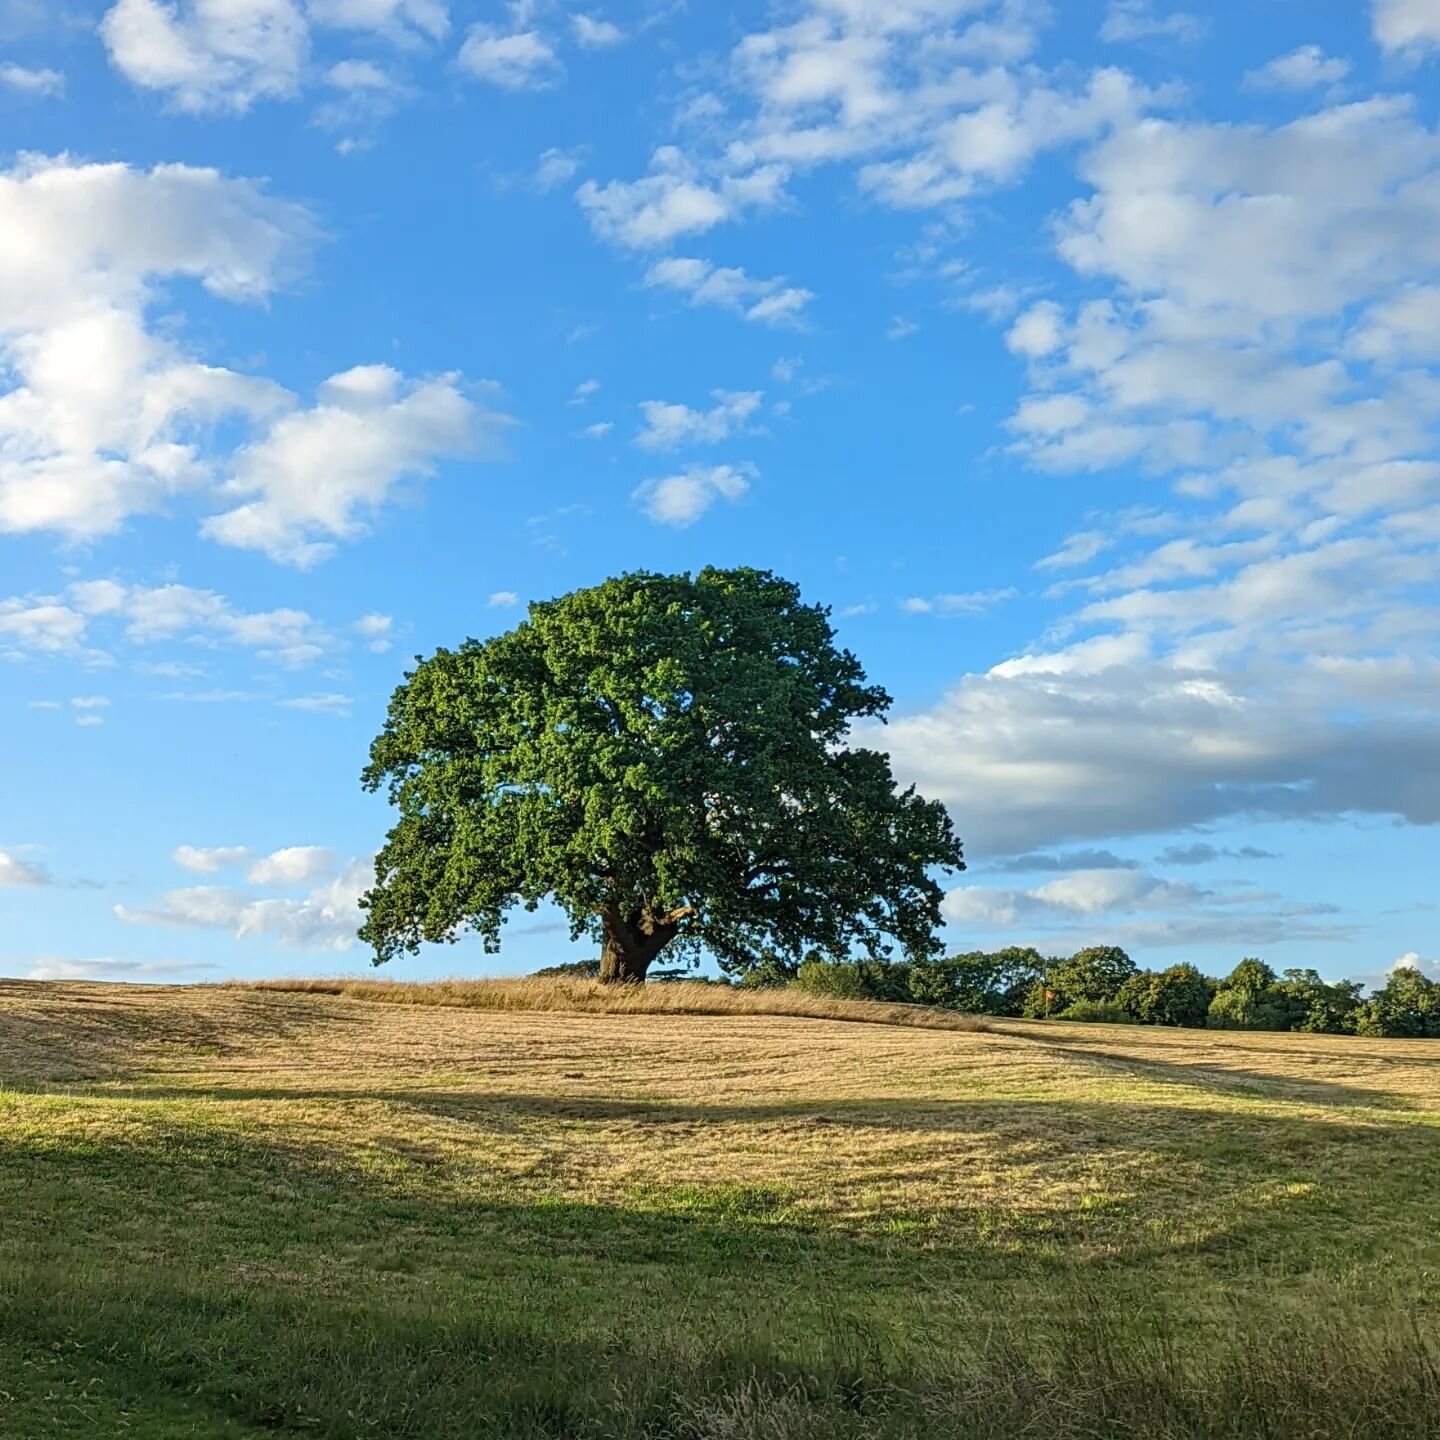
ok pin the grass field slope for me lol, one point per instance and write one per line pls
(549, 1212)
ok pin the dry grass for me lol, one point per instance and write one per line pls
(589, 997)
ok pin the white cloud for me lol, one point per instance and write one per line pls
(90, 702)
(599, 430)
(668, 426)
(31, 82)
(584, 391)
(554, 168)
(376, 631)
(295, 865)
(1078, 549)
(766, 302)
(155, 614)
(14, 871)
(57, 967)
(675, 199)
(324, 919)
(1413, 961)
(1038, 331)
(680, 500)
(217, 56)
(1082, 893)
(327, 704)
(205, 860)
(503, 600)
(209, 55)
(403, 22)
(518, 60)
(106, 419)
(592, 33)
(1302, 69)
(975, 602)
(44, 626)
(318, 472)
(1127, 20)
(1406, 25)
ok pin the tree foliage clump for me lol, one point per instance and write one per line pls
(665, 758)
(1180, 996)
(1407, 1006)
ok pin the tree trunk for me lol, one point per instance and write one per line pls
(631, 944)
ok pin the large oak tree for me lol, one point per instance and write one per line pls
(665, 758)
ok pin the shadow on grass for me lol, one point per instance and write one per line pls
(1076, 1183)
(1257, 1084)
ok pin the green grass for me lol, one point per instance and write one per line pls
(228, 1213)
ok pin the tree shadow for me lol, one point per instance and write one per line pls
(1265, 1085)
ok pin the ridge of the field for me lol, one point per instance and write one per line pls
(535, 1208)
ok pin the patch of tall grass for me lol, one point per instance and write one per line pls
(682, 997)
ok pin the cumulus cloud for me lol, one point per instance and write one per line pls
(668, 426)
(1304, 69)
(554, 168)
(593, 33)
(676, 198)
(224, 56)
(205, 860)
(326, 918)
(1406, 25)
(107, 417)
(294, 865)
(319, 472)
(513, 60)
(766, 302)
(26, 81)
(16, 871)
(1127, 20)
(680, 500)
(210, 54)
(148, 615)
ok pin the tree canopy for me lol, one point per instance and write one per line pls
(664, 757)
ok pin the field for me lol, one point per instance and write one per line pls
(545, 1212)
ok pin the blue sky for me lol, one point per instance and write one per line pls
(1084, 357)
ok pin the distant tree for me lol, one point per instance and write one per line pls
(1096, 973)
(1248, 1000)
(1097, 1012)
(1322, 1007)
(1407, 1007)
(664, 757)
(979, 983)
(863, 979)
(1250, 974)
(771, 970)
(571, 970)
(1180, 995)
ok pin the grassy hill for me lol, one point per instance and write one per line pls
(541, 1211)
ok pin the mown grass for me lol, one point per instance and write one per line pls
(231, 1212)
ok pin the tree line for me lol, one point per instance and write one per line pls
(1103, 984)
